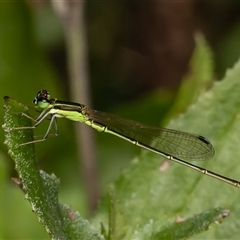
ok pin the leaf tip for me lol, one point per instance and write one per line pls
(6, 98)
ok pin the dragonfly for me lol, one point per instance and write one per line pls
(177, 146)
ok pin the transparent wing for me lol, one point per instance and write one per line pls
(182, 145)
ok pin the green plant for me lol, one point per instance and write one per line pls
(147, 202)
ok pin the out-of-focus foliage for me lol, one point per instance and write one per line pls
(29, 34)
(146, 191)
(147, 201)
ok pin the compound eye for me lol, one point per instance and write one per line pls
(42, 103)
(42, 99)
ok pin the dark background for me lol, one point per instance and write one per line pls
(134, 49)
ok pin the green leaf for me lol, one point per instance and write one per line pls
(184, 228)
(158, 191)
(150, 194)
(40, 189)
(199, 77)
(117, 227)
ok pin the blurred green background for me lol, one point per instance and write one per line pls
(138, 53)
